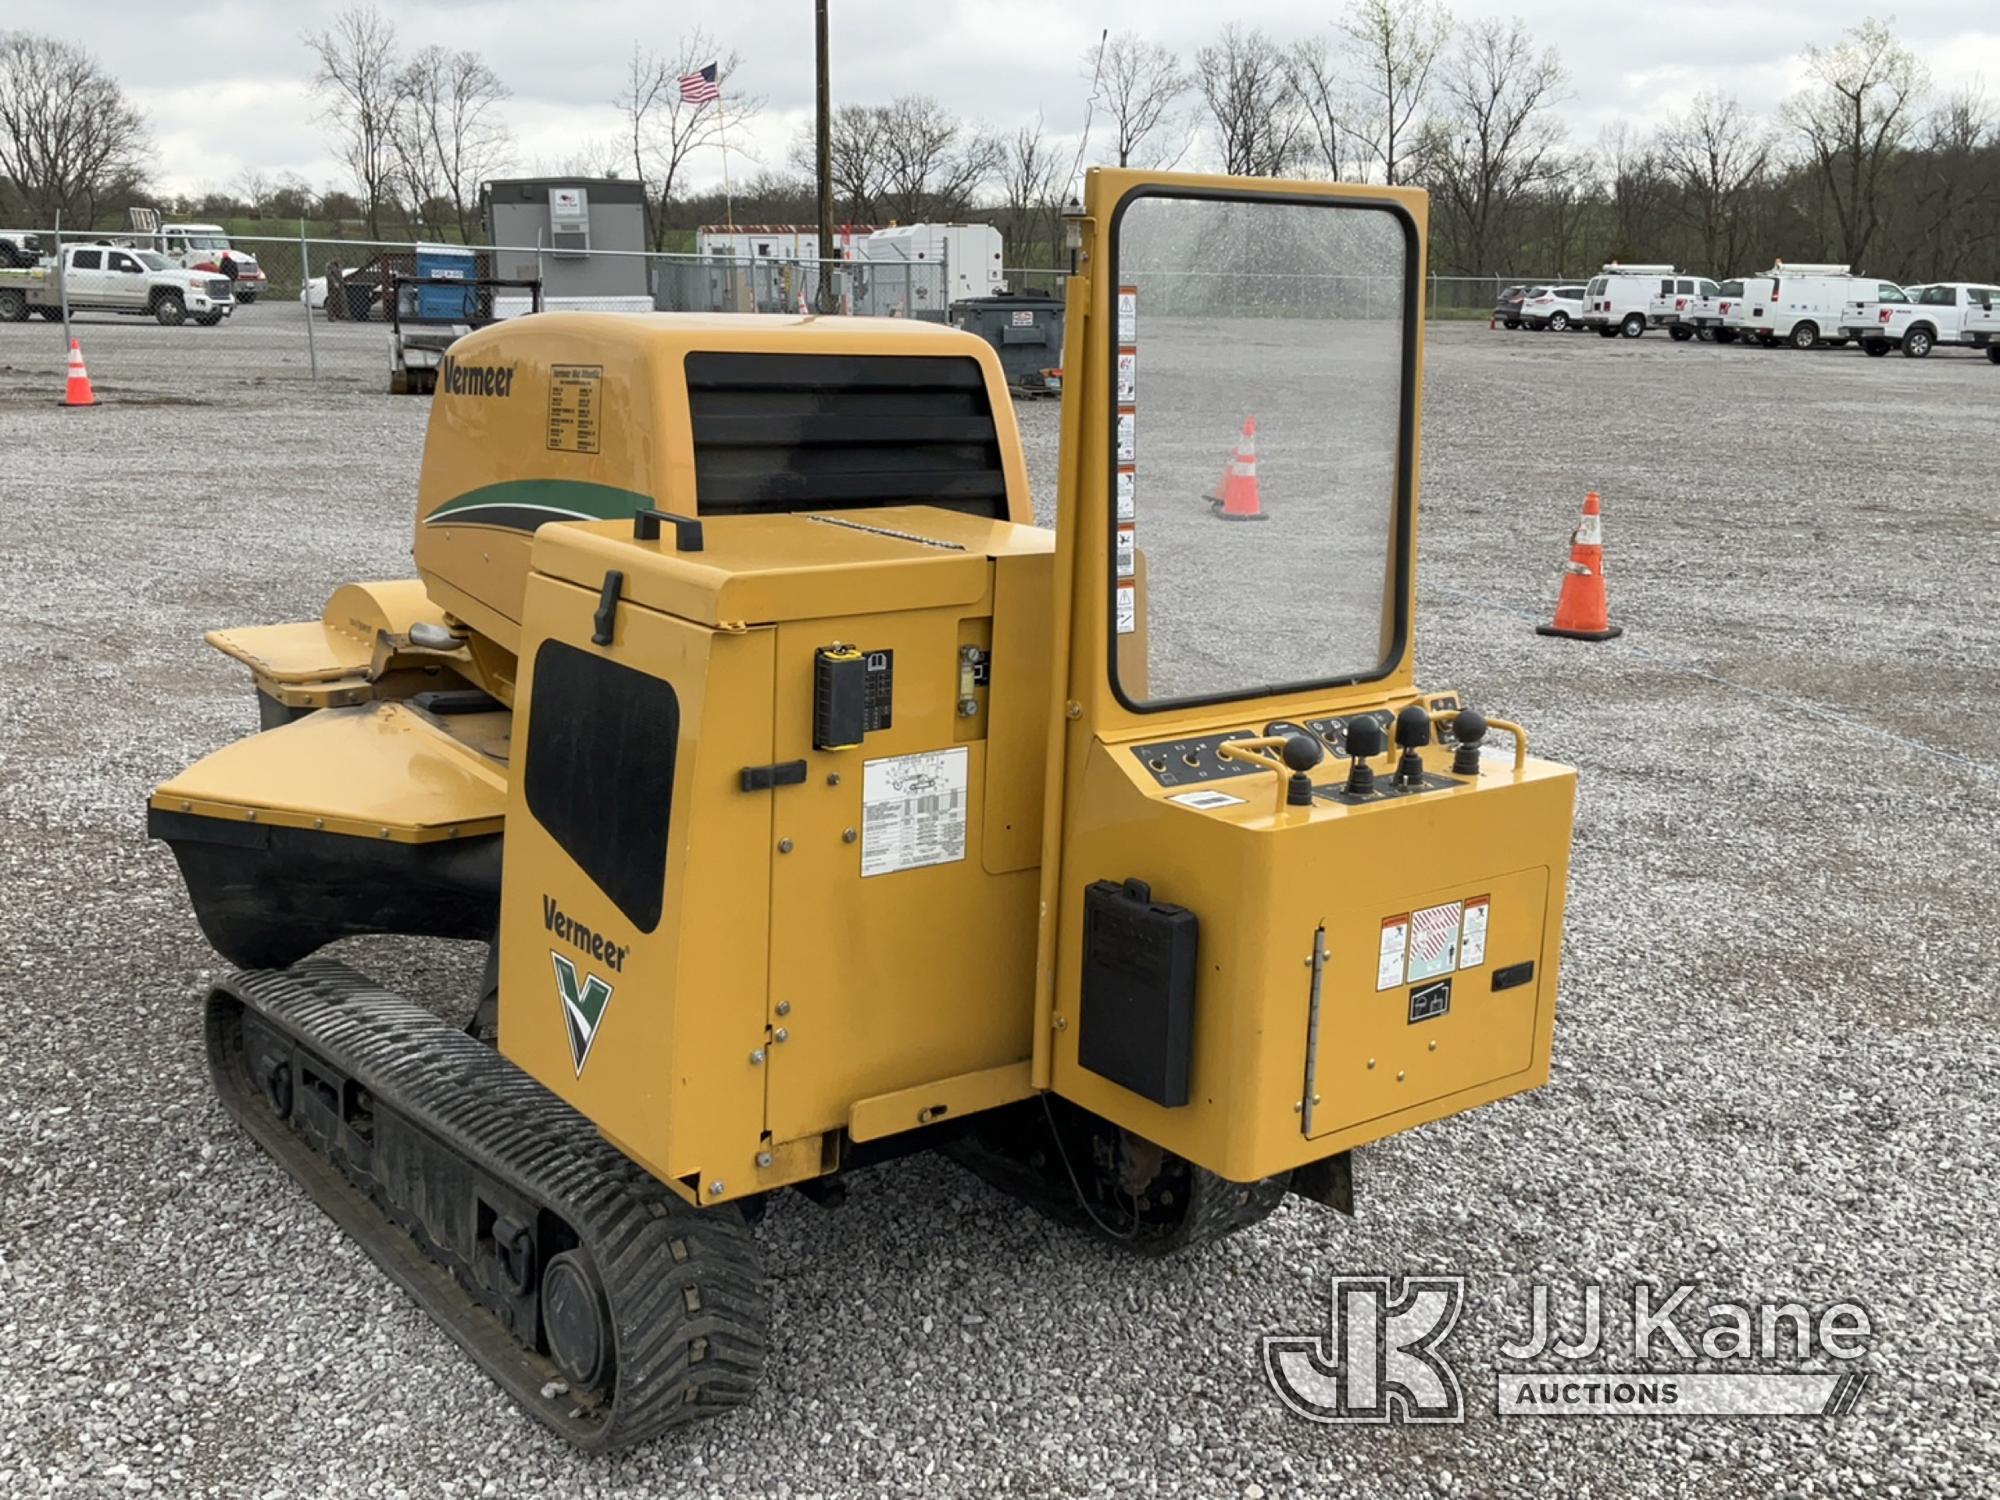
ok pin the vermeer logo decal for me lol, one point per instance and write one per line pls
(584, 1001)
(476, 380)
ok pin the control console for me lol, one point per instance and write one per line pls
(1359, 737)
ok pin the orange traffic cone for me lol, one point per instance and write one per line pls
(1582, 613)
(78, 392)
(1238, 500)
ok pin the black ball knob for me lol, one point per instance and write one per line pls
(1302, 752)
(1365, 738)
(1468, 729)
(1413, 727)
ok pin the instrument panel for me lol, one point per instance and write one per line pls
(1195, 759)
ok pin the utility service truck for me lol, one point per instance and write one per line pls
(1800, 304)
(115, 278)
(201, 247)
(1619, 299)
(1939, 313)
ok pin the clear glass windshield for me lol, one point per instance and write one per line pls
(152, 260)
(1258, 435)
(207, 242)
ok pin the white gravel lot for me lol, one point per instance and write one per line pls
(1775, 1057)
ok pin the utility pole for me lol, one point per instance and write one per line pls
(826, 301)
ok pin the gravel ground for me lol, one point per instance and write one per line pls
(1775, 1062)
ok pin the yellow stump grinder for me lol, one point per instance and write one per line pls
(817, 806)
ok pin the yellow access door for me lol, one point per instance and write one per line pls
(1457, 988)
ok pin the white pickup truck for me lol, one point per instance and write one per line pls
(116, 278)
(1982, 329)
(1940, 313)
(1669, 308)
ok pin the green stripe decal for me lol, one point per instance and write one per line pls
(524, 504)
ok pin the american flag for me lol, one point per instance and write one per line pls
(700, 88)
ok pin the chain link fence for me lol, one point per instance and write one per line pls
(317, 309)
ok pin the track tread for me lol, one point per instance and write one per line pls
(650, 1246)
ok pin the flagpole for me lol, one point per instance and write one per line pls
(722, 141)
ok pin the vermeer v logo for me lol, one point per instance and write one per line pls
(583, 1003)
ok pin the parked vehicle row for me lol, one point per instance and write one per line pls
(1803, 305)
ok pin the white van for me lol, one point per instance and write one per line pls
(1799, 304)
(1617, 299)
(1678, 296)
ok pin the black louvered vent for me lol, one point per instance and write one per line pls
(782, 432)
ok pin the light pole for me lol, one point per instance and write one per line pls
(826, 301)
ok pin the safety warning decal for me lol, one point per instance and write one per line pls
(1128, 375)
(1395, 937)
(1128, 315)
(1472, 945)
(1128, 551)
(913, 811)
(1126, 600)
(1128, 493)
(1128, 435)
(1434, 941)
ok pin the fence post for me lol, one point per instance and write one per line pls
(62, 283)
(306, 302)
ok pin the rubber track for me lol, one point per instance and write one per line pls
(688, 1305)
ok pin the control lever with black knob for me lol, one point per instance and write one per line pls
(1301, 754)
(1364, 739)
(1468, 730)
(1413, 731)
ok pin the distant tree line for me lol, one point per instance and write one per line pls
(1865, 164)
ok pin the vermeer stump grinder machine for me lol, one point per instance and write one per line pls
(817, 806)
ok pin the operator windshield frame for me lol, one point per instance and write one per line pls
(1406, 429)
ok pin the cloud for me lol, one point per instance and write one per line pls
(225, 84)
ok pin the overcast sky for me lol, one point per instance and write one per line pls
(224, 84)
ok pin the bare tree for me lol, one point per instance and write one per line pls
(933, 162)
(1718, 156)
(1248, 90)
(1638, 189)
(254, 187)
(663, 130)
(1495, 137)
(449, 134)
(1397, 45)
(858, 162)
(1033, 184)
(1139, 83)
(1317, 83)
(355, 79)
(1854, 118)
(68, 135)
(1956, 187)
